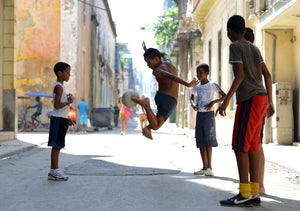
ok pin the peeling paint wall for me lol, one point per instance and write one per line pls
(38, 47)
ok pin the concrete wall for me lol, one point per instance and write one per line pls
(84, 51)
(8, 107)
(1, 63)
(38, 48)
(68, 41)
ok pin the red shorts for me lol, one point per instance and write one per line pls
(248, 123)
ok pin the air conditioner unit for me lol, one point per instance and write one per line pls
(282, 120)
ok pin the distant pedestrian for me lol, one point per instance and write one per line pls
(124, 116)
(142, 115)
(84, 115)
(205, 131)
(253, 102)
(72, 116)
(39, 107)
(59, 120)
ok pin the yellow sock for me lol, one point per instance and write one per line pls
(245, 189)
(254, 188)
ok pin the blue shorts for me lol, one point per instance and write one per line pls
(165, 104)
(83, 119)
(205, 131)
(57, 132)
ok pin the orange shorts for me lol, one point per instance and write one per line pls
(143, 117)
(248, 123)
(122, 116)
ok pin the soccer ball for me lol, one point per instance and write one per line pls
(126, 98)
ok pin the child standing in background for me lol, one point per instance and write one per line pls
(59, 120)
(205, 131)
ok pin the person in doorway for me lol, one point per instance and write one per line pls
(59, 120)
(205, 131)
(168, 84)
(84, 115)
(253, 102)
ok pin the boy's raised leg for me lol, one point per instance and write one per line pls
(155, 122)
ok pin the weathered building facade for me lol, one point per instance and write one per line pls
(276, 28)
(81, 33)
(187, 54)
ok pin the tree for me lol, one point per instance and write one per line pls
(165, 28)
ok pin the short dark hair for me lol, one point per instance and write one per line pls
(205, 67)
(60, 66)
(249, 35)
(151, 53)
(236, 23)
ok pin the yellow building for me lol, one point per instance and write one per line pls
(276, 26)
(8, 95)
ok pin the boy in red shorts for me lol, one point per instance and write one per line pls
(253, 101)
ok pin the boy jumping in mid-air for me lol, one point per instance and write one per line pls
(166, 96)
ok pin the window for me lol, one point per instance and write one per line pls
(220, 57)
(84, 11)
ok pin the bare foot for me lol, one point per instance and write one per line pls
(262, 190)
(147, 132)
(143, 102)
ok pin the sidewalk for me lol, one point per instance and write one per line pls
(285, 156)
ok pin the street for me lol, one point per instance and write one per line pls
(108, 171)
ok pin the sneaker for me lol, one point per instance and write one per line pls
(238, 201)
(201, 172)
(256, 200)
(59, 176)
(121, 133)
(208, 172)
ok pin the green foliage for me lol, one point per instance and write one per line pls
(164, 30)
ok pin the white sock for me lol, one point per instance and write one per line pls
(55, 171)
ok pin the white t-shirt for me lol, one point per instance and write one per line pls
(64, 111)
(205, 94)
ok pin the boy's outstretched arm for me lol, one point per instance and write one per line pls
(268, 84)
(164, 74)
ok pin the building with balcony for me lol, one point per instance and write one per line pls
(276, 28)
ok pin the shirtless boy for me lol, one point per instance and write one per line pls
(168, 84)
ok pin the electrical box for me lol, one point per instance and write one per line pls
(282, 120)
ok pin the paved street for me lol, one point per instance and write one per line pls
(108, 171)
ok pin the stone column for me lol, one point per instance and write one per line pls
(9, 95)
